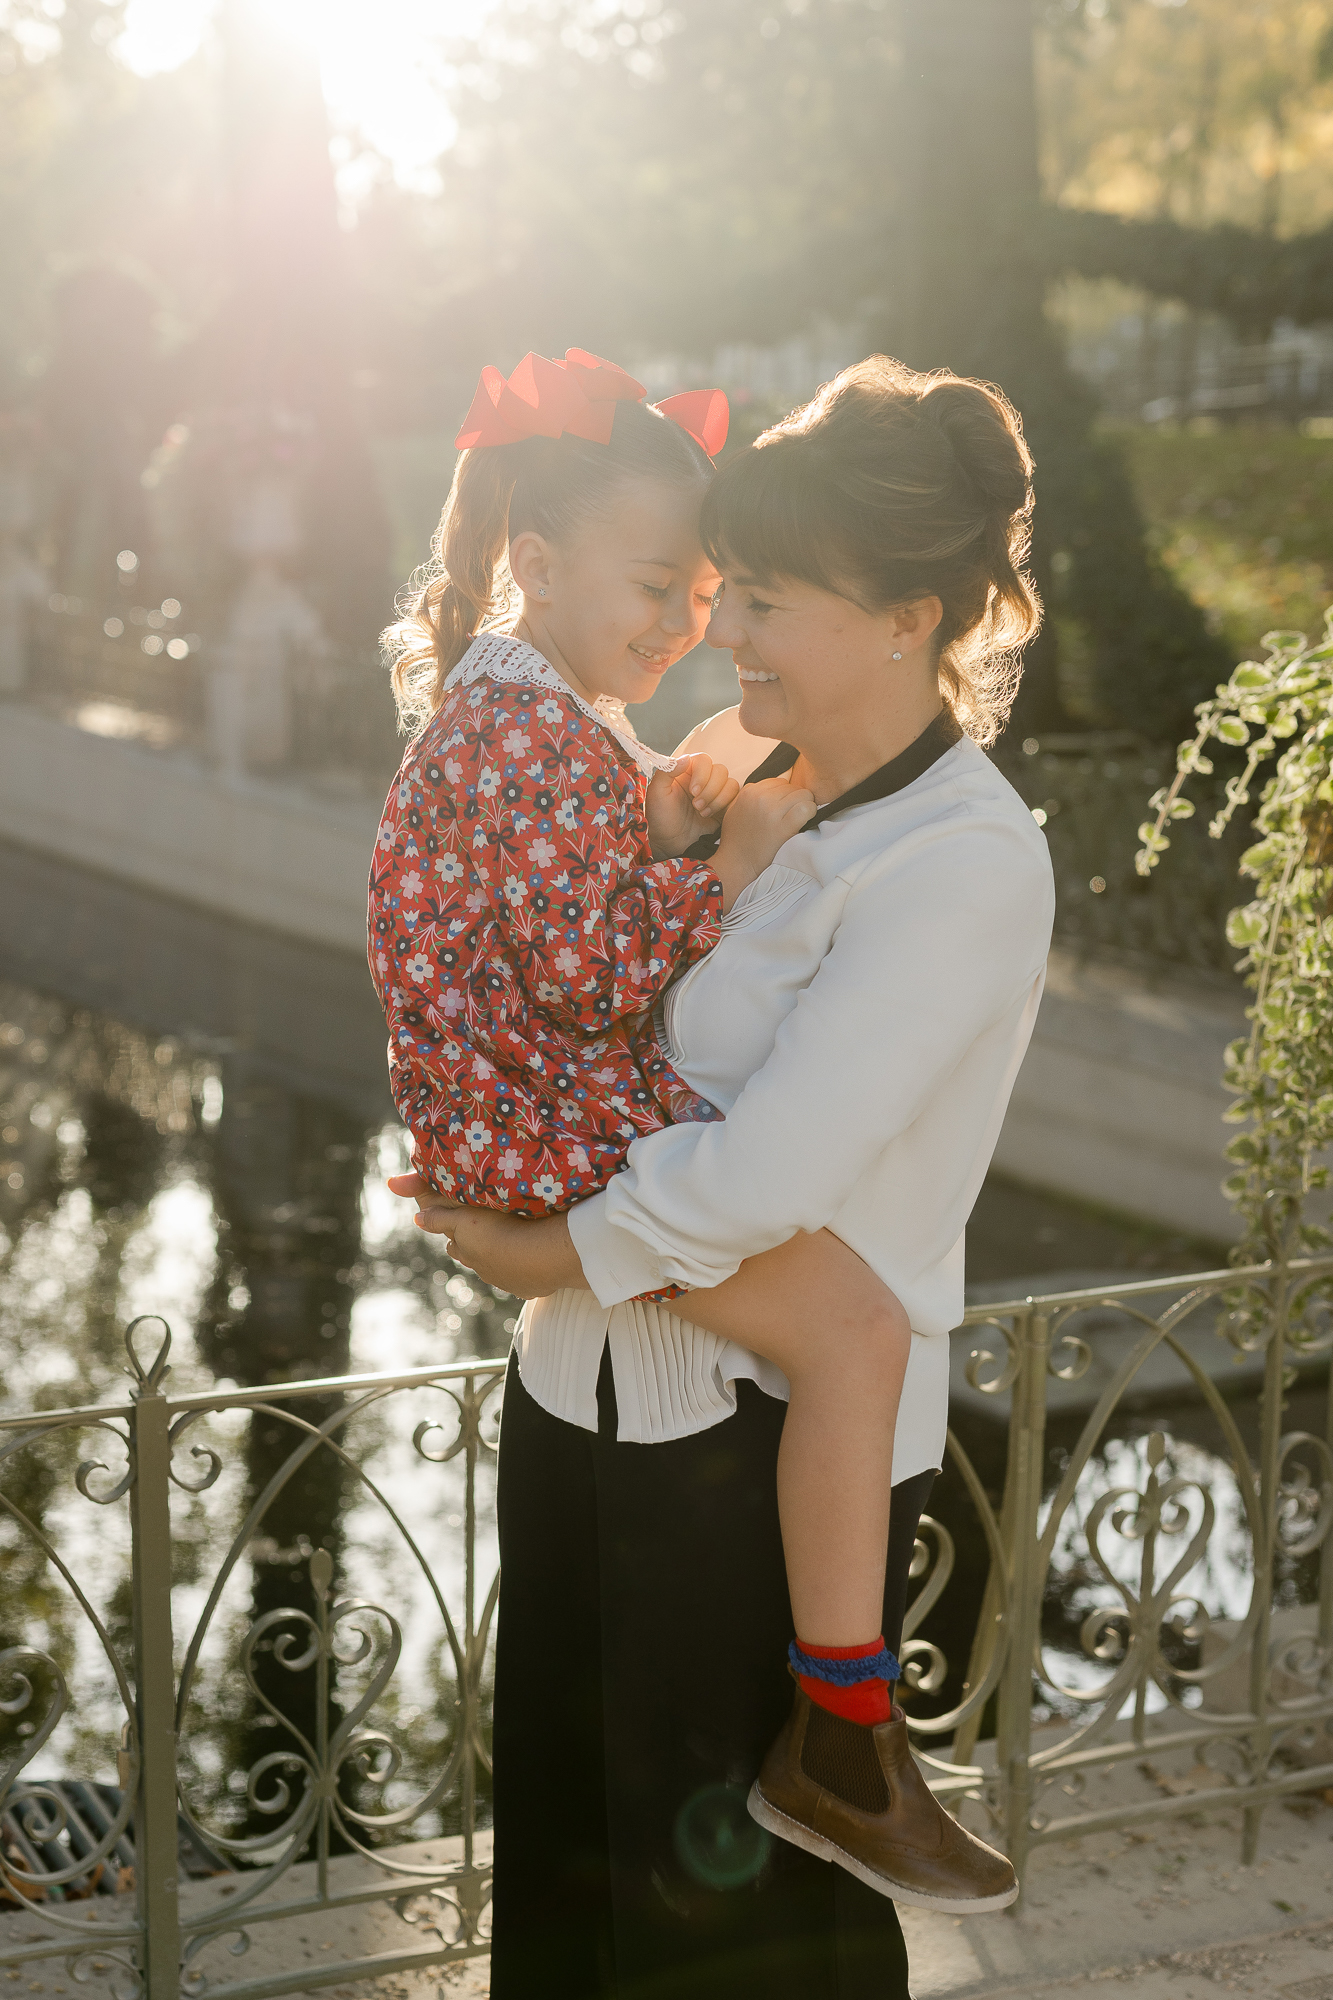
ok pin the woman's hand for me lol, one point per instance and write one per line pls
(686, 803)
(530, 1258)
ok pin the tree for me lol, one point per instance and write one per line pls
(729, 171)
(1204, 111)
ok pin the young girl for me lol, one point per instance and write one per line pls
(527, 909)
(531, 901)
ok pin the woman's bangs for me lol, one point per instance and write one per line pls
(764, 520)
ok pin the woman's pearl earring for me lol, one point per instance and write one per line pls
(897, 656)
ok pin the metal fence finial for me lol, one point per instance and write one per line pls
(148, 1381)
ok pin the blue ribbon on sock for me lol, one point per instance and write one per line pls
(880, 1666)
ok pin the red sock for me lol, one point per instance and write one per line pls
(868, 1702)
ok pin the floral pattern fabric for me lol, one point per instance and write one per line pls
(521, 934)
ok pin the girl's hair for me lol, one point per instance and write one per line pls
(892, 486)
(552, 485)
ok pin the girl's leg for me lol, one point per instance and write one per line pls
(839, 1780)
(817, 1310)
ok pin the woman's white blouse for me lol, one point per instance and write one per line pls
(861, 1024)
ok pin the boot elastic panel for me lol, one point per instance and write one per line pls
(842, 1758)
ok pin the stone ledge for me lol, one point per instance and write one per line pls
(1120, 1098)
(268, 852)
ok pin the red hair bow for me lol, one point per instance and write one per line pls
(704, 413)
(577, 397)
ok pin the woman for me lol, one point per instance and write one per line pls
(860, 1025)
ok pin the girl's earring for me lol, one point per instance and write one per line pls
(897, 656)
(542, 593)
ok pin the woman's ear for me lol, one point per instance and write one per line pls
(912, 626)
(530, 563)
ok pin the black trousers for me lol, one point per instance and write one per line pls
(640, 1677)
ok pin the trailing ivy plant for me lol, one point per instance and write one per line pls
(1278, 708)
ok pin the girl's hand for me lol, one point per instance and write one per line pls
(685, 803)
(530, 1259)
(763, 819)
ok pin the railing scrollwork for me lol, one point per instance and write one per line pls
(331, 1804)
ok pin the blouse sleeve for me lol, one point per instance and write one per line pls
(939, 939)
(554, 826)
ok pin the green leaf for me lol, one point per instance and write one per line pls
(1281, 1079)
(1246, 927)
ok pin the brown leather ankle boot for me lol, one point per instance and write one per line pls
(853, 1795)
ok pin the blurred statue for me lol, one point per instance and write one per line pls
(23, 582)
(250, 681)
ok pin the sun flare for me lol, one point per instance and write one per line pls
(381, 62)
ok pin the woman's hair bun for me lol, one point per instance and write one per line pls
(979, 423)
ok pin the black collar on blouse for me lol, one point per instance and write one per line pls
(900, 771)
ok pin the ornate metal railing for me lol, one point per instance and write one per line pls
(323, 1793)
(1246, 1701)
(263, 1665)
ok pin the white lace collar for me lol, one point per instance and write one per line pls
(499, 656)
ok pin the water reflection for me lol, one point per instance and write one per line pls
(191, 1161)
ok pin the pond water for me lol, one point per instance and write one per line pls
(194, 1122)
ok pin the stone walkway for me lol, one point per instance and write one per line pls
(1169, 1913)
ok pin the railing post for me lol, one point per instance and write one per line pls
(1270, 1437)
(472, 1667)
(1022, 1506)
(155, 1849)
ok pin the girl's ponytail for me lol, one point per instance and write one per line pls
(464, 587)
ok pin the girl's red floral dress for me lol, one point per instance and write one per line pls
(521, 934)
